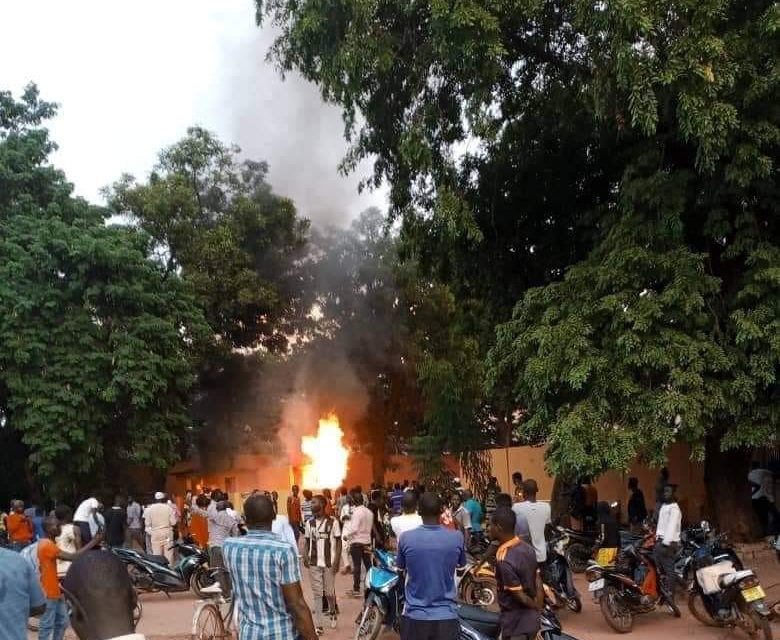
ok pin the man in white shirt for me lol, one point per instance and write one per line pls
(85, 518)
(409, 518)
(281, 527)
(360, 525)
(667, 541)
(159, 519)
(537, 515)
(322, 557)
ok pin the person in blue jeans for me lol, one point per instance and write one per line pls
(430, 554)
(54, 620)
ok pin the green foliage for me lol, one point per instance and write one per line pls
(96, 339)
(608, 167)
(216, 223)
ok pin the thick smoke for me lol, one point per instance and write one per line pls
(286, 123)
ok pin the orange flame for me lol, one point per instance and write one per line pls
(328, 466)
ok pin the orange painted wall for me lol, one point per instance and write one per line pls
(612, 486)
(250, 472)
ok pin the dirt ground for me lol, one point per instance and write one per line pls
(164, 617)
(171, 618)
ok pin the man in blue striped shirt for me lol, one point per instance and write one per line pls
(266, 580)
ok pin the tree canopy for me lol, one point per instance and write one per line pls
(97, 341)
(597, 181)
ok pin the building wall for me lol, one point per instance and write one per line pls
(613, 485)
(245, 473)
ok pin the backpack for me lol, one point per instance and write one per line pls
(30, 553)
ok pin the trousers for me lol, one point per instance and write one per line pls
(412, 629)
(161, 542)
(357, 551)
(217, 561)
(54, 620)
(664, 559)
(322, 584)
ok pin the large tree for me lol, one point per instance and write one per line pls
(622, 156)
(98, 342)
(215, 222)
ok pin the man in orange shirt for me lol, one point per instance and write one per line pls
(294, 511)
(20, 528)
(54, 620)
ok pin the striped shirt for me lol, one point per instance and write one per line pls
(259, 564)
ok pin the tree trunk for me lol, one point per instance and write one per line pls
(728, 493)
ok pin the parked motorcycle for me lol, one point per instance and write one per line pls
(630, 588)
(722, 596)
(153, 573)
(476, 585)
(558, 576)
(478, 624)
(694, 539)
(578, 547)
(384, 601)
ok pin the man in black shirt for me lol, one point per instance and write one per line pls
(116, 523)
(637, 511)
(516, 575)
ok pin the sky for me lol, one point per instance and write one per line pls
(130, 77)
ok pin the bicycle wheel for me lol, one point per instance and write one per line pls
(207, 623)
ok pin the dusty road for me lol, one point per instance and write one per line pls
(173, 617)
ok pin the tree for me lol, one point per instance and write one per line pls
(619, 180)
(97, 342)
(215, 222)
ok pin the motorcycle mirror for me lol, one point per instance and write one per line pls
(705, 525)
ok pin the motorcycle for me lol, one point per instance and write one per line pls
(152, 573)
(558, 576)
(476, 585)
(630, 588)
(722, 596)
(478, 624)
(384, 600)
(578, 547)
(693, 540)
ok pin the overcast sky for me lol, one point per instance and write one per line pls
(130, 77)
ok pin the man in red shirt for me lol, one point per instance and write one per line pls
(54, 620)
(294, 511)
(19, 526)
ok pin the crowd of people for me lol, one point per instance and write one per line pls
(262, 552)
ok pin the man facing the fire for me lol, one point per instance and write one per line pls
(322, 557)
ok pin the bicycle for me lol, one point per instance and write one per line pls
(213, 617)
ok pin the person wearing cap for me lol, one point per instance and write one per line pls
(160, 519)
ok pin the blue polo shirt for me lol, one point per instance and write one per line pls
(430, 554)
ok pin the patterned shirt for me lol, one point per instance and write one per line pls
(259, 564)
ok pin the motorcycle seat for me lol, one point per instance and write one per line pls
(156, 559)
(730, 579)
(486, 622)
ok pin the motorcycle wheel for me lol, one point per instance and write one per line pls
(200, 579)
(574, 604)
(482, 593)
(755, 625)
(370, 624)
(620, 619)
(699, 611)
(141, 580)
(578, 557)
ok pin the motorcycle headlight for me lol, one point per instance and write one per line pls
(368, 580)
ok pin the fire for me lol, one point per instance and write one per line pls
(328, 466)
